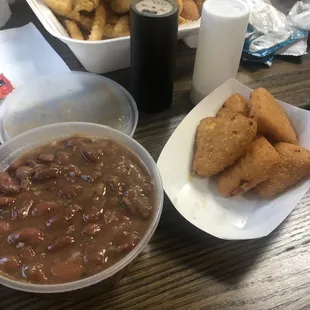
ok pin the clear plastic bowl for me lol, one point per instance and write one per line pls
(45, 134)
(68, 97)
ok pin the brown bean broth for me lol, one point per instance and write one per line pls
(98, 209)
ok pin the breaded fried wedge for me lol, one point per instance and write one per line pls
(235, 103)
(271, 119)
(250, 169)
(220, 142)
(294, 166)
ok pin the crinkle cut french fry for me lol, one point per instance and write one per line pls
(84, 21)
(60, 7)
(83, 5)
(99, 24)
(120, 29)
(73, 29)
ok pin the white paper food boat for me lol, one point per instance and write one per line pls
(198, 200)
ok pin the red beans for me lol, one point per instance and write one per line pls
(7, 184)
(89, 155)
(70, 191)
(29, 235)
(67, 271)
(45, 207)
(55, 221)
(23, 172)
(72, 171)
(6, 201)
(46, 158)
(60, 243)
(27, 254)
(71, 209)
(44, 173)
(91, 230)
(9, 262)
(34, 273)
(92, 214)
(62, 157)
(4, 228)
(95, 255)
(21, 212)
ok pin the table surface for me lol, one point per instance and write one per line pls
(183, 268)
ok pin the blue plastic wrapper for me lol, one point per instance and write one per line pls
(269, 33)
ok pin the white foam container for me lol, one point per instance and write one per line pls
(105, 55)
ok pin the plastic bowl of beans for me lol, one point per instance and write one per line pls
(78, 203)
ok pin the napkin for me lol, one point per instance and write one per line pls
(25, 55)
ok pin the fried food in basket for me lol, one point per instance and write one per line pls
(119, 29)
(199, 5)
(84, 12)
(120, 6)
(293, 167)
(270, 117)
(60, 7)
(190, 10)
(180, 5)
(99, 24)
(220, 142)
(83, 21)
(83, 5)
(235, 103)
(73, 29)
(250, 169)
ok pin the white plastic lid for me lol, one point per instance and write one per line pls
(69, 97)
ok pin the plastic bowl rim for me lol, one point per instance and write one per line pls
(109, 272)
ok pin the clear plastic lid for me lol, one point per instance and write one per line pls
(69, 97)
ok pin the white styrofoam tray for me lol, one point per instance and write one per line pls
(198, 200)
(105, 55)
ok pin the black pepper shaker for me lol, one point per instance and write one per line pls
(153, 39)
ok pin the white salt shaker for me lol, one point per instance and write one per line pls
(220, 42)
(5, 12)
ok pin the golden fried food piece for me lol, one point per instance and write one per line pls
(95, 3)
(73, 29)
(220, 142)
(120, 6)
(120, 29)
(60, 7)
(235, 103)
(113, 19)
(271, 119)
(180, 5)
(224, 112)
(199, 5)
(183, 21)
(83, 5)
(190, 10)
(99, 24)
(84, 22)
(250, 169)
(293, 167)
